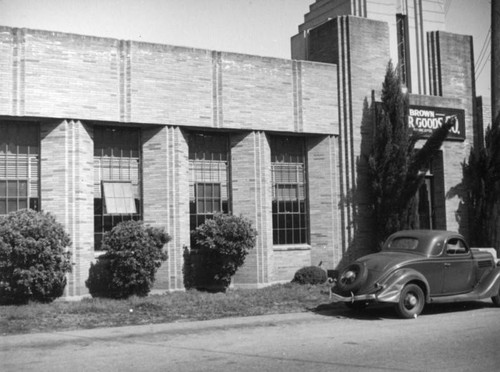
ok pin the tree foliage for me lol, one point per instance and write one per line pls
(482, 183)
(396, 168)
(34, 257)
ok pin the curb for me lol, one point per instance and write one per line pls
(53, 338)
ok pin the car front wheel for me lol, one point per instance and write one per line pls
(411, 302)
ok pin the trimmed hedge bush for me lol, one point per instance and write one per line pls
(220, 246)
(310, 275)
(34, 258)
(134, 252)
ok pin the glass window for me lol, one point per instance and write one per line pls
(19, 166)
(118, 198)
(403, 49)
(208, 176)
(117, 179)
(208, 198)
(290, 209)
(456, 246)
(403, 244)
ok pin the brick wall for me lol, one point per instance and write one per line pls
(324, 197)
(73, 82)
(165, 197)
(67, 191)
(251, 196)
(453, 66)
(58, 75)
(363, 53)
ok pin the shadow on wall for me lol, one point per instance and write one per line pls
(465, 208)
(356, 207)
(478, 214)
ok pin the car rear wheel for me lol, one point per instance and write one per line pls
(411, 301)
(352, 277)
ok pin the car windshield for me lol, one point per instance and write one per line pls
(402, 244)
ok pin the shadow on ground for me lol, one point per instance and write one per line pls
(387, 311)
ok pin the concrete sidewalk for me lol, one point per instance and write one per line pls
(184, 327)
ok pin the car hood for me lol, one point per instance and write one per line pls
(383, 262)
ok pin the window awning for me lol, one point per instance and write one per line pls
(118, 197)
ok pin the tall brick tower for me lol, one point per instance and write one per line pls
(495, 59)
(360, 47)
(360, 37)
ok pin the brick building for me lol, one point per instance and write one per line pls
(97, 131)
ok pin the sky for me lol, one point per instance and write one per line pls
(259, 27)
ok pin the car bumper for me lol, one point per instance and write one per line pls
(385, 293)
(364, 297)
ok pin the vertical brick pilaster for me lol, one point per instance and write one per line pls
(18, 71)
(364, 54)
(251, 188)
(166, 196)
(323, 184)
(453, 58)
(67, 192)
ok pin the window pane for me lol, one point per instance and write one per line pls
(11, 205)
(290, 224)
(201, 206)
(23, 188)
(116, 158)
(12, 188)
(208, 175)
(3, 206)
(34, 204)
(201, 190)
(3, 189)
(23, 204)
(118, 198)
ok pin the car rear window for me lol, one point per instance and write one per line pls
(403, 244)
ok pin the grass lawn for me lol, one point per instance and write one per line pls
(170, 307)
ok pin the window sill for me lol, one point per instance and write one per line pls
(297, 247)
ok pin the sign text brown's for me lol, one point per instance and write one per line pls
(425, 119)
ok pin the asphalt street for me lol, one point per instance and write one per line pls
(460, 337)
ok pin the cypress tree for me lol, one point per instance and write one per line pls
(482, 184)
(396, 168)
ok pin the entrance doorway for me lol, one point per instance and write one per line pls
(431, 197)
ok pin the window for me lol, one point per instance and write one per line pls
(118, 198)
(430, 197)
(19, 166)
(208, 176)
(208, 198)
(403, 49)
(290, 209)
(456, 246)
(117, 181)
(426, 204)
(403, 244)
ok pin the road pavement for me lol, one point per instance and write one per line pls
(460, 337)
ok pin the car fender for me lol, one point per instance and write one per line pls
(490, 285)
(395, 282)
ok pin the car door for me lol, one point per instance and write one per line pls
(432, 268)
(458, 267)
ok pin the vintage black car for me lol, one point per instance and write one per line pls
(416, 267)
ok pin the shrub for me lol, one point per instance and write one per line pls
(34, 258)
(134, 252)
(220, 246)
(310, 275)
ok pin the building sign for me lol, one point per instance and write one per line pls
(424, 119)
